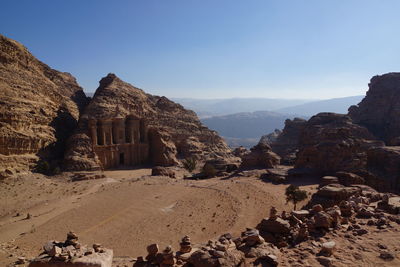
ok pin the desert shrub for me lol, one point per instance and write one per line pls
(56, 170)
(42, 167)
(190, 164)
(209, 170)
(295, 195)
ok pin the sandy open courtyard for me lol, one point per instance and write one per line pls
(129, 209)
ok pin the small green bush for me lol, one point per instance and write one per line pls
(190, 164)
(42, 167)
(295, 195)
(209, 170)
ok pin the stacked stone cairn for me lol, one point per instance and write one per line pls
(72, 253)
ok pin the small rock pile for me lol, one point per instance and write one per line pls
(82, 176)
(71, 251)
(225, 251)
(163, 171)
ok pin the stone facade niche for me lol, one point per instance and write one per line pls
(120, 141)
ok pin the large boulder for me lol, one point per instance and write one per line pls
(333, 194)
(274, 226)
(216, 258)
(260, 155)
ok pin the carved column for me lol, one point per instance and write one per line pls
(130, 131)
(107, 126)
(119, 130)
(93, 131)
(143, 131)
(136, 131)
(102, 134)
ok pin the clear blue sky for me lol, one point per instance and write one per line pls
(214, 48)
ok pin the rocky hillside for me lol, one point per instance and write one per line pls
(39, 108)
(379, 111)
(329, 143)
(178, 130)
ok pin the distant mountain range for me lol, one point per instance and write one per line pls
(217, 107)
(246, 128)
(337, 105)
(247, 124)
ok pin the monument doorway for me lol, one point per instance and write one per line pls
(121, 159)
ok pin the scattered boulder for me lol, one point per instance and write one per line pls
(327, 180)
(328, 248)
(222, 166)
(322, 220)
(163, 171)
(348, 178)
(262, 156)
(333, 194)
(276, 175)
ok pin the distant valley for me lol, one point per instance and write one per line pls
(252, 118)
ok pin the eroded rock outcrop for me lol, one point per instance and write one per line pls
(39, 106)
(260, 155)
(331, 142)
(168, 132)
(379, 111)
(286, 143)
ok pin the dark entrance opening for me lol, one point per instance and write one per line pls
(121, 158)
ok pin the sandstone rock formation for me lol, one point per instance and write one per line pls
(39, 107)
(260, 155)
(271, 137)
(286, 143)
(168, 132)
(379, 111)
(331, 142)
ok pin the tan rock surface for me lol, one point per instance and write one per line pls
(174, 132)
(379, 111)
(39, 106)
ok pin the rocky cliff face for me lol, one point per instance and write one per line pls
(39, 107)
(330, 142)
(287, 142)
(379, 111)
(174, 131)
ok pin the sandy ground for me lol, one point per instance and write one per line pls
(129, 209)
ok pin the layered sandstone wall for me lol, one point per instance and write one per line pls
(39, 106)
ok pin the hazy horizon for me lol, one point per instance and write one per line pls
(214, 49)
